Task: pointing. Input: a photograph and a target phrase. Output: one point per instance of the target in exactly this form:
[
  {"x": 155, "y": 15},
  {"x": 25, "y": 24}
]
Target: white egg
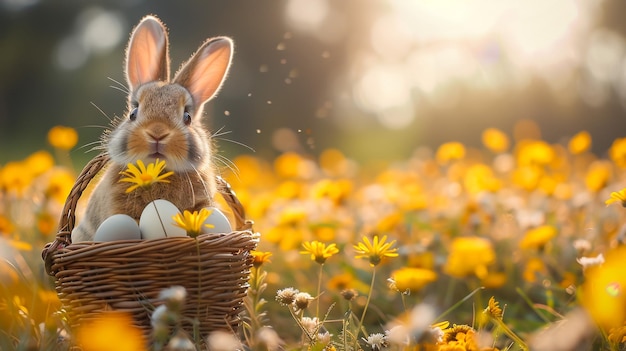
[
  {"x": 218, "y": 220},
  {"x": 118, "y": 227},
  {"x": 157, "y": 221}
]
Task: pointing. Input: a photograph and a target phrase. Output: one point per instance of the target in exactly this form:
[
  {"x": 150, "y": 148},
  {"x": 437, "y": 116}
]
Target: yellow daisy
[
  {"x": 319, "y": 251},
  {"x": 260, "y": 257},
  {"x": 411, "y": 278},
  {"x": 63, "y": 138},
  {"x": 495, "y": 140},
  {"x": 579, "y": 143},
  {"x": 143, "y": 176},
  {"x": 375, "y": 250},
  {"x": 192, "y": 221},
  {"x": 617, "y": 196},
  {"x": 111, "y": 331}
]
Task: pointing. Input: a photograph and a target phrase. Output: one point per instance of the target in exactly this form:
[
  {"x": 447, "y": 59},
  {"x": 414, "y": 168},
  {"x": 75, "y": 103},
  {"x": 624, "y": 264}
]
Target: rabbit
[{"x": 163, "y": 121}]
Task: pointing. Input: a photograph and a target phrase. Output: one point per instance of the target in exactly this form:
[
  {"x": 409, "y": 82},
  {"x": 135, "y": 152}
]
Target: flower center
[{"x": 146, "y": 178}]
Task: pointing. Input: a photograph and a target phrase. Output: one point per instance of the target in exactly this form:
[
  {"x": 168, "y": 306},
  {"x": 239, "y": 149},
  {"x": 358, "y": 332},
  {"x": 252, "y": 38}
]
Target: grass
[{"x": 506, "y": 247}]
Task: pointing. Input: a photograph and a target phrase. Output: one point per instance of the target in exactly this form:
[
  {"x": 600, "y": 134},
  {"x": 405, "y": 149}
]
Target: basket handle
[{"x": 68, "y": 215}]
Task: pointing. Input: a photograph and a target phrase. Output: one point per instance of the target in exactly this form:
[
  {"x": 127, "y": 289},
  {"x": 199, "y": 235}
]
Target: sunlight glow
[
  {"x": 96, "y": 31},
  {"x": 307, "y": 15},
  {"x": 439, "y": 47}
]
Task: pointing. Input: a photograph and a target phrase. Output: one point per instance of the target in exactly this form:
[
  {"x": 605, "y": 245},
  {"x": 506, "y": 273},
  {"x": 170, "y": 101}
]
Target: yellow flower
[
  {"x": 389, "y": 222},
  {"x": 346, "y": 281},
  {"x": 285, "y": 236},
  {"x": 319, "y": 251},
  {"x": 46, "y": 224},
  {"x": 598, "y": 175},
  {"x": 16, "y": 177},
  {"x": 469, "y": 255},
  {"x": 112, "y": 331},
  {"x": 6, "y": 226},
  {"x": 535, "y": 152},
  {"x": 495, "y": 140},
  {"x": 289, "y": 189},
  {"x": 458, "y": 338},
  {"x": 292, "y": 216},
  {"x": 579, "y": 143},
  {"x": 144, "y": 176},
  {"x": 20, "y": 245},
  {"x": 63, "y": 138},
  {"x": 335, "y": 190},
  {"x": 260, "y": 257},
  {"x": 494, "y": 280},
  {"x": 252, "y": 171},
  {"x": 333, "y": 162},
  {"x": 617, "y": 196},
  {"x": 537, "y": 237},
  {"x": 534, "y": 267},
  {"x": 60, "y": 184},
  {"x": 617, "y": 335},
  {"x": 602, "y": 293},
  {"x": 49, "y": 298},
  {"x": 413, "y": 198},
  {"x": 412, "y": 279},
  {"x": 289, "y": 165},
  {"x": 375, "y": 250},
  {"x": 192, "y": 221},
  {"x": 450, "y": 151},
  {"x": 617, "y": 152},
  {"x": 493, "y": 308},
  {"x": 39, "y": 162},
  {"x": 527, "y": 177},
  {"x": 479, "y": 178},
  {"x": 325, "y": 231}
]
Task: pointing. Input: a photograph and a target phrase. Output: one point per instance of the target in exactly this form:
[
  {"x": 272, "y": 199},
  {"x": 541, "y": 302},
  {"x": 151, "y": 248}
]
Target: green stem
[
  {"x": 64, "y": 158},
  {"x": 403, "y": 301},
  {"x": 255, "y": 299},
  {"x": 532, "y": 305},
  {"x": 319, "y": 289},
  {"x": 369, "y": 296},
  {"x": 440, "y": 317},
  {"x": 510, "y": 333},
  {"x": 304, "y": 330}
]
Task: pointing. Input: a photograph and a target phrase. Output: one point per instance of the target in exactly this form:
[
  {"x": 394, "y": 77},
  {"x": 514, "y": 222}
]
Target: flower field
[{"x": 514, "y": 245}]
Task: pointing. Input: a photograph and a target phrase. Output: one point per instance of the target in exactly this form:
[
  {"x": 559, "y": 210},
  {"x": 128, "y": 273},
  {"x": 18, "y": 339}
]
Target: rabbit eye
[
  {"x": 187, "y": 118},
  {"x": 133, "y": 114}
]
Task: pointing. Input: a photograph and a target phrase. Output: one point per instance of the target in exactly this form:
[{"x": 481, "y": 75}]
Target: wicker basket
[{"x": 128, "y": 275}]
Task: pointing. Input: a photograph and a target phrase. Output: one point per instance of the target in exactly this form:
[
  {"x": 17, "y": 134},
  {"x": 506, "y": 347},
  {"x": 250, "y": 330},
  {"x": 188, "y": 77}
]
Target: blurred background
[{"x": 375, "y": 79}]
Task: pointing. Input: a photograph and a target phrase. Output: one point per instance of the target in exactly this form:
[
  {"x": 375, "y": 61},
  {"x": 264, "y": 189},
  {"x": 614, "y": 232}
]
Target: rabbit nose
[
  {"x": 158, "y": 132},
  {"x": 158, "y": 136}
]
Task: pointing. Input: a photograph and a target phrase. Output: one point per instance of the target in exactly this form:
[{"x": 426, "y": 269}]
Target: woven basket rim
[{"x": 67, "y": 221}]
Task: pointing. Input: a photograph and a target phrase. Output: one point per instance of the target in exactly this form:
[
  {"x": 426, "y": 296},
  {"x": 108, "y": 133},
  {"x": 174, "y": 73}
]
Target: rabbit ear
[
  {"x": 147, "y": 57},
  {"x": 203, "y": 74}
]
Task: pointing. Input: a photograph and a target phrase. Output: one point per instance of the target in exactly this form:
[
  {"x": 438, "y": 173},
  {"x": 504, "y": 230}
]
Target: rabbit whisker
[
  {"x": 120, "y": 86},
  {"x": 228, "y": 164},
  {"x": 220, "y": 132},
  {"x": 96, "y": 148},
  {"x": 207, "y": 191},
  {"x": 193, "y": 193},
  {"x": 119, "y": 89},
  {"x": 97, "y": 144},
  {"x": 102, "y": 112},
  {"x": 94, "y": 126},
  {"x": 237, "y": 143}
]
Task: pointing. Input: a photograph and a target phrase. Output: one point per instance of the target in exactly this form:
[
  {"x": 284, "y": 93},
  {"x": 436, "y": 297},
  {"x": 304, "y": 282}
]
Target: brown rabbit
[{"x": 163, "y": 121}]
